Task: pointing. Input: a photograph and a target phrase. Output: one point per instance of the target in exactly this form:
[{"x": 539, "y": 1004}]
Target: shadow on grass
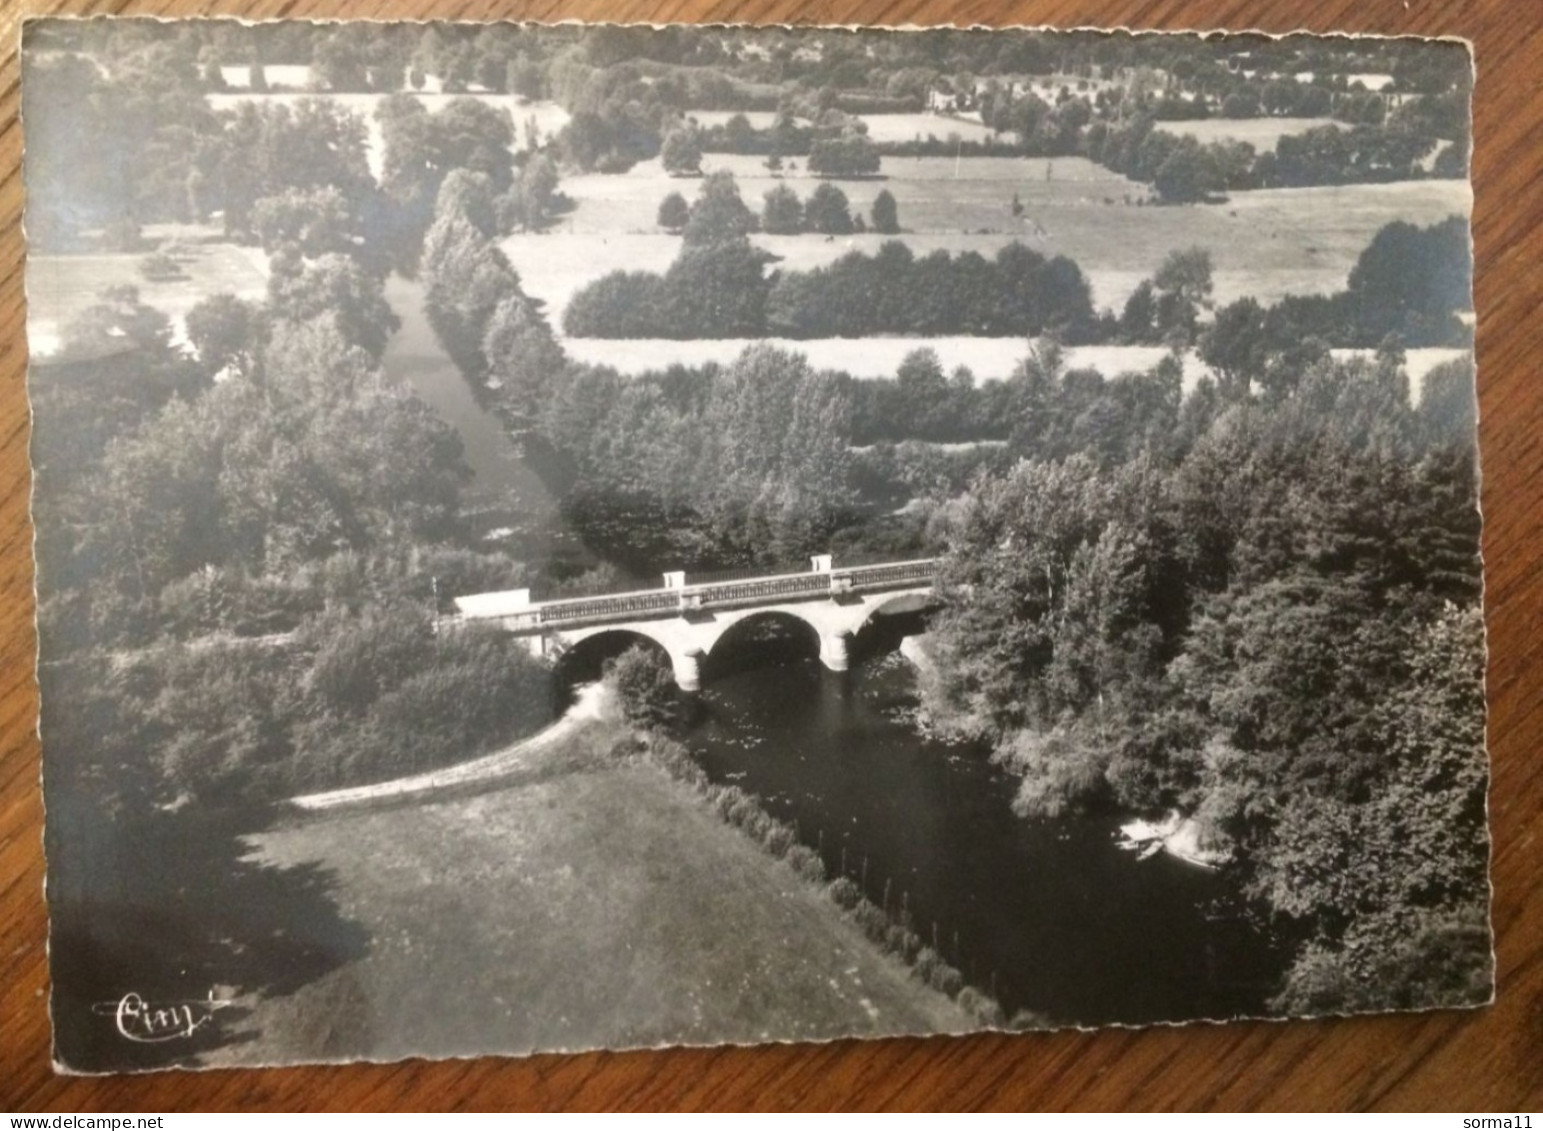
[{"x": 166, "y": 907}]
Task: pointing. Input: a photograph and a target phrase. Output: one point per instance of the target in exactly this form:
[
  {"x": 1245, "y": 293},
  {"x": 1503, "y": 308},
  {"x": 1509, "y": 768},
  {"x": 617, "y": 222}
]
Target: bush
[
  {"x": 623, "y": 304},
  {"x": 886, "y": 217},
  {"x": 754, "y": 821},
  {"x": 681, "y": 154},
  {"x": 679, "y": 764},
  {"x": 778, "y": 838},
  {"x": 807, "y": 863},
  {"x": 846, "y": 893},
  {"x": 874, "y": 923},
  {"x": 474, "y": 690},
  {"x": 727, "y": 798},
  {"x": 645, "y": 685},
  {"x": 782, "y": 214},
  {"x": 225, "y": 712},
  {"x": 160, "y": 267},
  {"x": 673, "y": 212},
  {"x": 981, "y": 1007},
  {"x": 903, "y": 941},
  {"x": 827, "y": 211},
  {"x": 945, "y": 979},
  {"x": 850, "y": 156},
  {"x": 925, "y": 964},
  {"x": 450, "y": 571},
  {"x": 360, "y": 658}
]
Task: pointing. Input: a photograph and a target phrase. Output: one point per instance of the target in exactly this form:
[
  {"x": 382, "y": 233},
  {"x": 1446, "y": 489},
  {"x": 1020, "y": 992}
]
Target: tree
[
  {"x": 1234, "y": 347},
  {"x": 336, "y": 61},
  {"x": 715, "y": 291},
  {"x": 314, "y": 222},
  {"x": 336, "y": 288},
  {"x": 719, "y": 215},
  {"x": 1138, "y": 319},
  {"x": 921, "y": 397},
  {"x": 421, "y": 150},
  {"x": 782, "y": 214},
  {"x": 886, "y": 218},
  {"x": 1187, "y": 174},
  {"x": 681, "y": 154},
  {"x": 851, "y": 155},
  {"x": 1448, "y": 405},
  {"x": 523, "y": 359},
  {"x": 227, "y": 332},
  {"x": 1412, "y": 282},
  {"x": 1182, "y": 286},
  {"x": 467, "y": 276},
  {"x": 622, "y": 304},
  {"x": 645, "y": 684},
  {"x": 674, "y": 213},
  {"x": 827, "y": 212},
  {"x": 537, "y": 188}
]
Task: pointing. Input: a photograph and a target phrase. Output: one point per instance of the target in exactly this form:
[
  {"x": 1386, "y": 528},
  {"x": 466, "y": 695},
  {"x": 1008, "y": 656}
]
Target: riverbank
[{"x": 589, "y": 902}]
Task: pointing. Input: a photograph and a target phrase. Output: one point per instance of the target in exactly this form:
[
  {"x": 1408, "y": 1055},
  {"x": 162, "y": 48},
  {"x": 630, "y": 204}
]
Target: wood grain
[{"x": 1490, "y": 1059}]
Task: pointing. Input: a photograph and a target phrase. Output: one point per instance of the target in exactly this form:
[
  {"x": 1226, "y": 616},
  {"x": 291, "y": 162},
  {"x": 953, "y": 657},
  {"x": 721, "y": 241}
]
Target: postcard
[{"x": 595, "y": 537}]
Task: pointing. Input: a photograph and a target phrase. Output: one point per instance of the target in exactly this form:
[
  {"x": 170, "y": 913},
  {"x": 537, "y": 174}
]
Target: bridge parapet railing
[
  {"x": 630, "y": 604},
  {"x": 863, "y": 577},
  {"x": 792, "y": 585}
]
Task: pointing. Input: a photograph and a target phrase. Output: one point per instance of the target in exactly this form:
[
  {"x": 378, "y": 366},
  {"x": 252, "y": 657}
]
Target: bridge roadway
[{"x": 686, "y": 619}]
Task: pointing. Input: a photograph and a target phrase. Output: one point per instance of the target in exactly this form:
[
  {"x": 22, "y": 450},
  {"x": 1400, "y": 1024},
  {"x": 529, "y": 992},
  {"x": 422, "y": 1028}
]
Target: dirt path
[{"x": 504, "y": 763}]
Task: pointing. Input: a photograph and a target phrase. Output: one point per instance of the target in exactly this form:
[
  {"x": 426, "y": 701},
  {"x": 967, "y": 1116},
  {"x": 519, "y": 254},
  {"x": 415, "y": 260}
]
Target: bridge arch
[
  {"x": 584, "y": 659},
  {"x": 889, "y": 620},
  {"x": 780, "y": 630}
]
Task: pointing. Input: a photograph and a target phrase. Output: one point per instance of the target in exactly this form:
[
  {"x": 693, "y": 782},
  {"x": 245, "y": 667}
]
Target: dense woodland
[{"x": 1257, "y": 602}]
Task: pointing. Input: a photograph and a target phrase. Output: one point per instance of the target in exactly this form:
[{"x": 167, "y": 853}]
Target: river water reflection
[{"x": 1059, "y": 920}]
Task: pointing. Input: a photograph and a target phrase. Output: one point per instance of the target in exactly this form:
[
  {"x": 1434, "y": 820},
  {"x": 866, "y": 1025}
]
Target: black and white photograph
[{"x": 572, "y": 537}]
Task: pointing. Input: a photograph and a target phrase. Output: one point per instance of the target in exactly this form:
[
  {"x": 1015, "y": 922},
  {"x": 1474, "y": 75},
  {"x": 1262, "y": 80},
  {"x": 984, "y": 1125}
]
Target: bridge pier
[
  {"x": 833, "y": 650},
  {"x": 688, "y": 668}
]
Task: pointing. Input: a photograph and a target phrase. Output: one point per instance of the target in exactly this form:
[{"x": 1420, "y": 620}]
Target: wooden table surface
[{"x": 1490, "y": 1059}]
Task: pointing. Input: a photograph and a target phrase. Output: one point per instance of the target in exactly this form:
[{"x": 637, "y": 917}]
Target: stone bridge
[{"x": 687, "y": 618}]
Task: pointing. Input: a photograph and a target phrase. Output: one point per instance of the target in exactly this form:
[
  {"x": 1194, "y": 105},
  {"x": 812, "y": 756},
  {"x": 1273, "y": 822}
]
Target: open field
[
  {"x": 585, "y": 903},
  {"x": 932, "y": 198},
  {"x": 1262, "y": 133},
  {"x": 759, "y": 119},
  {"x": 889, "y": 128},
  {"x": 1268, "y": 243},
  {"x": 881, "y": 127},
  {"x": 296, "y": 76},
  {"x": 60, "y": 286},
  {"x": 549, "y": 116}
]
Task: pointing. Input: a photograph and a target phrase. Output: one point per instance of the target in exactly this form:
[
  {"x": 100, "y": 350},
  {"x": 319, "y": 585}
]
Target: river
[
  {"x": 506, "y": 499},
  {"x": 1063, "y": 924}
]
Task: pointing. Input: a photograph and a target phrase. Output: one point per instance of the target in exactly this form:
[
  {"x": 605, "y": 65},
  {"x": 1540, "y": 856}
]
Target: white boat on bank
[{"x": 1175, "y": 834}]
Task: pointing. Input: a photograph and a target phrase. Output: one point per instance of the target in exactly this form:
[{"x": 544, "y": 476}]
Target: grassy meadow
[
  {"x": 1263, "y": 134},
  {"x": 59, "y": 287},
  {"x": 578, "y": 893},
  {"x": 1267, "y": 243}
]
